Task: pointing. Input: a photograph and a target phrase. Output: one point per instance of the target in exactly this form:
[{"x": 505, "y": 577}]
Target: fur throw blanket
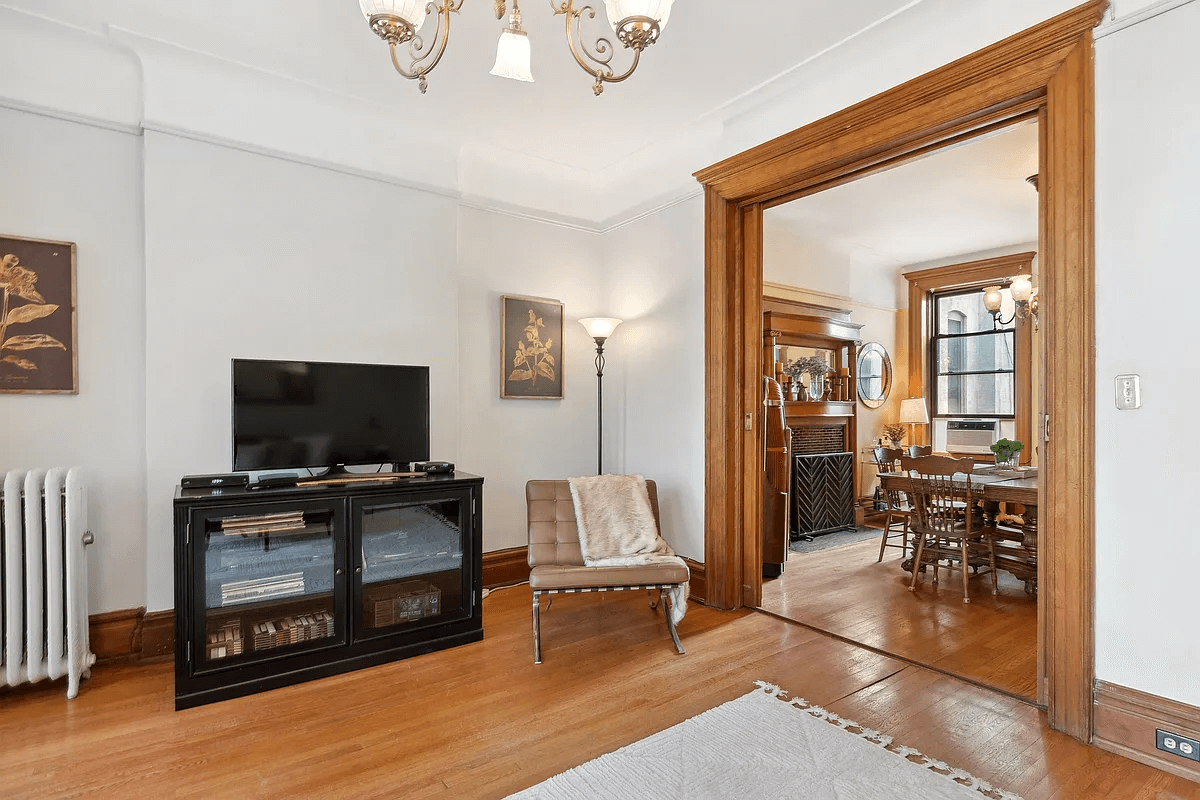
[{"x": 617, "y": 528}]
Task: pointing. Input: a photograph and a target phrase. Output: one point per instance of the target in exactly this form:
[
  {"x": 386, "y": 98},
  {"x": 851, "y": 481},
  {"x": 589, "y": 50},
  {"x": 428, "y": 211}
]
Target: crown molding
[
  {"x": 295, "y": 158},
  {"x": 620, "y": 222},
  {"x": 530, "y": 215},
  {"x": 772, "y": 286},
  {"x": 1149, "y": 12}
]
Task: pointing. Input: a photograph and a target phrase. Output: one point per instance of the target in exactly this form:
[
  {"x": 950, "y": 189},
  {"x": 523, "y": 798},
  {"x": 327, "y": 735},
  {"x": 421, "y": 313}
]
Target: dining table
[{"x": 1015, "y": 536}]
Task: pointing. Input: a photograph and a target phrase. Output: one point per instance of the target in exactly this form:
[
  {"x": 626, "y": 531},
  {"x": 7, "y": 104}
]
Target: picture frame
[
  {"x": 531, "y": 335},
  {"x": 37, "y": 298}
]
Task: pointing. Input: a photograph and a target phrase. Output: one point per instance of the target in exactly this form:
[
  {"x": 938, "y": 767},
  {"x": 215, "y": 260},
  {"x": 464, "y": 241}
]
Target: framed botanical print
[
  {"x": 37, "y": 318},
  {"x": 531, "y": 332}
]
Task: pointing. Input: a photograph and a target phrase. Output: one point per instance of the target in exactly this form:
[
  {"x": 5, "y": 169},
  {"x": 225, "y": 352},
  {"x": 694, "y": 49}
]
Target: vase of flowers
[
  {"x": 815, "y": 367},
  {"x": 894, "y": 433}
]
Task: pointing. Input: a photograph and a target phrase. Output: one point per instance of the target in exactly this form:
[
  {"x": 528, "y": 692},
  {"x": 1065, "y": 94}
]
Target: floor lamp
[{"x": 600, "y": 328}]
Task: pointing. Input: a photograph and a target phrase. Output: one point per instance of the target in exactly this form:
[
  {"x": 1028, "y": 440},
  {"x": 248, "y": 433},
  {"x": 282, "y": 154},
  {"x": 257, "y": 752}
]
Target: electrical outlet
[
  {"x": 1179, "y": 745},
  {"x": 1129, "y": 392}
]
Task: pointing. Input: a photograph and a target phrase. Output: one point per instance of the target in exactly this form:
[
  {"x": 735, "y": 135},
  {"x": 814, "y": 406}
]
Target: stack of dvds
[
  {"x": 291, "y": 630},
  {"x": 227, "y": 641}
]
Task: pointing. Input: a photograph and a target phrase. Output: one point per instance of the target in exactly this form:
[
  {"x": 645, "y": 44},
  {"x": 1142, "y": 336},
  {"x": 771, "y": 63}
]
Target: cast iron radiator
[{"x": 823, "y": 488}]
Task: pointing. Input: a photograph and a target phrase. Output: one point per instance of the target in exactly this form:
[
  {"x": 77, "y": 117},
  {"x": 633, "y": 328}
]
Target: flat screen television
[{"x": 296, "y": 414}]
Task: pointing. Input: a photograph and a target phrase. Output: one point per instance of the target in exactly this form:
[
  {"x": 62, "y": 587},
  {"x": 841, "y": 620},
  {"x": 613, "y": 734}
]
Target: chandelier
[{"x": 636, "y": 23}]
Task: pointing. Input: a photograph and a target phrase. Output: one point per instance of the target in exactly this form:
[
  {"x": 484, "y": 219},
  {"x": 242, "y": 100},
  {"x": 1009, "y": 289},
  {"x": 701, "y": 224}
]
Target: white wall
[
  {"x": 255, "y": 257},
  {"x": 655, "y": 277},
  {"x": 82, "y": 184},
  {"x": 1147, "y": 548},
  {"x": 511, "y": 441}
]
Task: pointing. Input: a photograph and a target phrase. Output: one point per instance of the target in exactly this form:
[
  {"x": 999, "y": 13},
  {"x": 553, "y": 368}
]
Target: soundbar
[{"x": 232, "y": 479}]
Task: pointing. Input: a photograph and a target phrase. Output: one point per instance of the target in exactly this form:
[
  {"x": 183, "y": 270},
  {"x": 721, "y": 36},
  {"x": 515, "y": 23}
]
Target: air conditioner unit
[{"x": 971, "y": 436}]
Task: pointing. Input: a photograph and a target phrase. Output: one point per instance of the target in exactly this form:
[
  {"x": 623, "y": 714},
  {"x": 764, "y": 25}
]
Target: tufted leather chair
[{"x": 556, "y": 561}]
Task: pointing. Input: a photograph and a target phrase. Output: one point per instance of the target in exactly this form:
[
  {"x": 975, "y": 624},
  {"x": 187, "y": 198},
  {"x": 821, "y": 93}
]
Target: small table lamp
[{"x": 913, "y": 412}]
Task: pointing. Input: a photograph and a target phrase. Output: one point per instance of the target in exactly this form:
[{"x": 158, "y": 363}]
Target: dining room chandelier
[{"x": 636, "y": 23}]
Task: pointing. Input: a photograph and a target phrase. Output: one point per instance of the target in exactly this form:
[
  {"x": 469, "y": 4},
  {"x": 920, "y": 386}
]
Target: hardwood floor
[
  {"x": 484, "y": 721},
  {"x": 991, "y": 640}
]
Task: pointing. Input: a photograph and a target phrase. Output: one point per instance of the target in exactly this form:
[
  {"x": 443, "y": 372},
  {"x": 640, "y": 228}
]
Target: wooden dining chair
[
  {"x": 918, "y": 450},
  {"x": 887, "y": 460},
  {"x": 945, "y": 521}
]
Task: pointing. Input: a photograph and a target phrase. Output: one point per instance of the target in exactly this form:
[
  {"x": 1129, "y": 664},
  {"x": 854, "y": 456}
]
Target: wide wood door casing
[{"x": 1046, "y": 70}]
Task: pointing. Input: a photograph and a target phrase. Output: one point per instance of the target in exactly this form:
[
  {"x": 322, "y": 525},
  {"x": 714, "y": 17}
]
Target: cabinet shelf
[{"x": 295, "y": 583}]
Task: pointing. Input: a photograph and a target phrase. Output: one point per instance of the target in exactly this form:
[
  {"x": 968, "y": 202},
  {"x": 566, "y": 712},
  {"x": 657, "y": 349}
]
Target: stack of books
[
  {"x": 270, "y": 588},
  {"x": 227, "y": 641},
  {"x": 294, "y": 629}
]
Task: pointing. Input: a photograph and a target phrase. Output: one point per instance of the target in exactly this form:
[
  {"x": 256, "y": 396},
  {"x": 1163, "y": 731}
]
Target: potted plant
[
  {"x": 816, "y": 367},
  {"x": 894, "y": 433},
  {"x": 1006, "y": 452}
]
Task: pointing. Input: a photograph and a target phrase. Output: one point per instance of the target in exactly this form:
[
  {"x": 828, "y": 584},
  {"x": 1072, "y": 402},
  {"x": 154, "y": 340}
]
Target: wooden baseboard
[
  {"x": 116, "y": 636},
  {"x": 158, "y": 636},
  {"x": 505, "y": 567},
  {"x": 131, "y": 635},
  {"x": 697, "y": 586},
  {"x": 1125, "y": 722}
]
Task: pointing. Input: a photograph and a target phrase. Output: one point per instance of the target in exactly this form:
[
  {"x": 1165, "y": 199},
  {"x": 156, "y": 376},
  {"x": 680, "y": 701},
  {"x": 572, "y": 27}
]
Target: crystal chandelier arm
[
  {"x": 424, "y": 62},
  {"x": 601, "y": 57}
]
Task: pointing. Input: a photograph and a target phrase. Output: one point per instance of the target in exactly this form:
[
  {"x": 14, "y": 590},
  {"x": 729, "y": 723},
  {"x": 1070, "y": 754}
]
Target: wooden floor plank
[{"x": 483, "y": 721}]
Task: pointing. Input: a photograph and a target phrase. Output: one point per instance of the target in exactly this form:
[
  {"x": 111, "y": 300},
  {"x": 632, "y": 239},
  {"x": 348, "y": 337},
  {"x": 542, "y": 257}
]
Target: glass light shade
[
  {"x": 600, "y": 327},
  {"x": 913, "y": 411},
  {"x": 411, "y": 11},
  {"x": 1021, "y": 288},
  {"x": 512, "y": 56},
  {"x": 657, "y": 10},
  {"x": 992, "y": 298}
]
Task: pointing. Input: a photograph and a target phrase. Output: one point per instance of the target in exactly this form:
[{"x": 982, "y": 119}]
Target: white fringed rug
[{"x": 763, "y": 745}]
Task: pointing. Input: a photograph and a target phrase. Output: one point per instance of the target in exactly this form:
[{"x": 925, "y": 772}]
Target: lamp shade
[
  {"x": 600, "y": 327},
  {"x": 913, "y": 411},
  {"x": 512, "y": 56},
  {"x": 1021, "y": 288},
  {"x": 411, "y": 11},
  {"x": 992, "y": 298},
  {"x": 657, "y": 10}
]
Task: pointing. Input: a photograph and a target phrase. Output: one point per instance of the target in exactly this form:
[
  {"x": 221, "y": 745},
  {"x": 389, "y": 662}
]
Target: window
[{"x": 974, "y": 374}]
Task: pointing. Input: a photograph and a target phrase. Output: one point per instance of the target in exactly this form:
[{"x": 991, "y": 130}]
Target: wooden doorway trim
[{"x": 1046, "y": 70}]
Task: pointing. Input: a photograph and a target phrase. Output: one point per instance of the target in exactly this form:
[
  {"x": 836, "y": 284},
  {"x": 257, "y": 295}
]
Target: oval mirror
[{"x": 874, "y": 375}]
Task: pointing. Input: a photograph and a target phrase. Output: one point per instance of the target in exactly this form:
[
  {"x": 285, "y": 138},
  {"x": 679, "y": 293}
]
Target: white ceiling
[
  {"x": 701, "y": 64},
  {"x": 967, "y": 199}
]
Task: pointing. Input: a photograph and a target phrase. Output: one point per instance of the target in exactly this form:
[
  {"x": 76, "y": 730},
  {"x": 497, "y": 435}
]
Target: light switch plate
[{"x": 1129, "y": 392}]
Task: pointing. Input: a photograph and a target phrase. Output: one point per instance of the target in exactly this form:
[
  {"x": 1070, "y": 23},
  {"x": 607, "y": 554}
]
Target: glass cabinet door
[
  {"x": 410, "y": 567},
  {"x": 271, "y": 579}
]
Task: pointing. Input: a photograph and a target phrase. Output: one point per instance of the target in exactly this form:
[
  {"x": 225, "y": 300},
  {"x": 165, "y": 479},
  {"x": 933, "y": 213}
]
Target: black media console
[{"x": 278, "y": 586}]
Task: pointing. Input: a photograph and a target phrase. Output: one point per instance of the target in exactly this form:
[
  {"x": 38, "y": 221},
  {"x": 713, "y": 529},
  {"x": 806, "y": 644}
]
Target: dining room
[{"x": 901, "y": 411}]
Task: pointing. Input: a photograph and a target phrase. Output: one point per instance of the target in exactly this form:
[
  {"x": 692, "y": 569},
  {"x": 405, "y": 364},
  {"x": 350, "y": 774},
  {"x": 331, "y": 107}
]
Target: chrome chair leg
[
  {"x": 666, "y": 602},
  {"x": 537, "y": 629}
]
